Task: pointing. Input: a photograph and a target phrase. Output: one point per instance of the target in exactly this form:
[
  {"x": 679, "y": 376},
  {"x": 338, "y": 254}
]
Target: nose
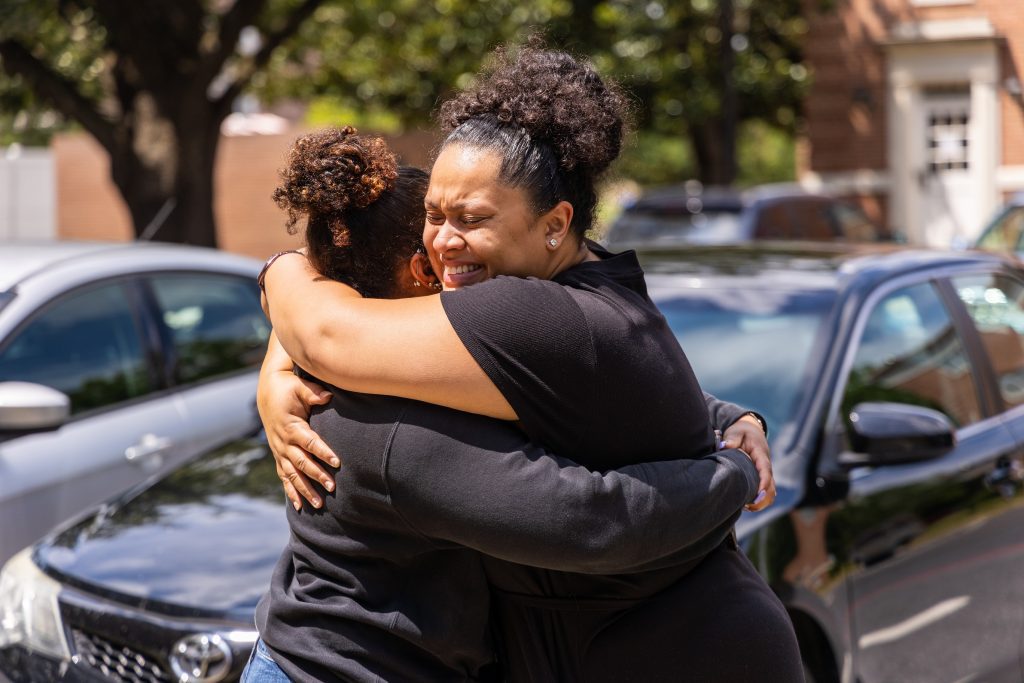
[{"x": 447, "y": 239}]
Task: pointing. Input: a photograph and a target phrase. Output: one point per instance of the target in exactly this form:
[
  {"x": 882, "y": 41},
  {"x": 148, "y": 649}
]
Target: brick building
[
  {"x": 89, "y": 206},
  {"x": 916, "y": 109}
]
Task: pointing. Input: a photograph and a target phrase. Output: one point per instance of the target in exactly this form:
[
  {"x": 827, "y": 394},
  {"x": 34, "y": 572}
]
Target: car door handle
[{"x": 149, "y": 446}]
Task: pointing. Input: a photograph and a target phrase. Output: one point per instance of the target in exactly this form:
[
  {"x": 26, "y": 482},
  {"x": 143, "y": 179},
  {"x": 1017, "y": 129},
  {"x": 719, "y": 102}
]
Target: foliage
[
  {"x": 388, "y": 63},
  {"x": 398, "y": 56}
]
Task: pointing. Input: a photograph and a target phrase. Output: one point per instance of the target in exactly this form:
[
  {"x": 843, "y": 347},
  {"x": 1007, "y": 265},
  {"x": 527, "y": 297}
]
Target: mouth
[{"x": 462, "y": 274}]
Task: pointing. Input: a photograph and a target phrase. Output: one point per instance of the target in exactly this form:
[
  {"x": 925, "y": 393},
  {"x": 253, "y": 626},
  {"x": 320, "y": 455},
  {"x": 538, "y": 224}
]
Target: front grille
[{"x": 118, "y": 662}]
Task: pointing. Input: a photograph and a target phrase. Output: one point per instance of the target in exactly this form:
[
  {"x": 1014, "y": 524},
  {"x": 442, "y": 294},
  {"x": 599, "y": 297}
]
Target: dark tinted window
[
  {"x": 87, "y": 345},
  {"x": 773, "y": 223},
  {"x": 809, "y": 219},
  {"x": 215, "y": 323},
  {"x": 910, "y": 353},
  {"x": 996, "y": 304}
]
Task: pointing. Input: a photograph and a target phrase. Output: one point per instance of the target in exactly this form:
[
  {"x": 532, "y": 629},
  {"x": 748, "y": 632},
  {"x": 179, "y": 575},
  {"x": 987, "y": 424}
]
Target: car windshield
[
  {"x": 652, "y": 227},
  {"x": 754, "y": 349}
]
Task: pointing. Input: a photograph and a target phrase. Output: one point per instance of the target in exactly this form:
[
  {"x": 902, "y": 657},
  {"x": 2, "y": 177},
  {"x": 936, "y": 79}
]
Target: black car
[
  {"x": 693, "y": 214},
  {"x": 893, "y": 384}
]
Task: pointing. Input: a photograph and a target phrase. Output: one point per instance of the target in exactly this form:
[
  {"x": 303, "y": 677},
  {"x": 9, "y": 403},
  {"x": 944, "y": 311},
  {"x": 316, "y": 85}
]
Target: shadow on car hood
[{"x": 202, "y": 540}]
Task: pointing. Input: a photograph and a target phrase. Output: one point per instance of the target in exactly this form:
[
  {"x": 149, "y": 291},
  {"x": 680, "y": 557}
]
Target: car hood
[{"x": 202, "y": 540}]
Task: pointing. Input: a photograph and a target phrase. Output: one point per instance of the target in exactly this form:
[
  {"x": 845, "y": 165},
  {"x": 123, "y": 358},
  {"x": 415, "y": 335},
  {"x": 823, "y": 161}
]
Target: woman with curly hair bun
[{"x": 539, "y": 325}]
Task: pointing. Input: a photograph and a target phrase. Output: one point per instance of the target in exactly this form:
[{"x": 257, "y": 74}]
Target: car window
[
  {"x": 773, "y": 223},
  {"x": 772, "y": 334},
  {"x": 909, "y": 352},
  {"x": 1006, "y": 233},
  {"x": 214, "y": 323},
  {"x": 996, "y": 305},
  {"x": 86, "y": 345},
  {"x": 809, "y": 219},
  {"x": 851, "y": 224}
]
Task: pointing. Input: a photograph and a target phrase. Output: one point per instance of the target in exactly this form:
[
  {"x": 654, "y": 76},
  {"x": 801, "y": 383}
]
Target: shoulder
[{"x": 511, "y": 308}]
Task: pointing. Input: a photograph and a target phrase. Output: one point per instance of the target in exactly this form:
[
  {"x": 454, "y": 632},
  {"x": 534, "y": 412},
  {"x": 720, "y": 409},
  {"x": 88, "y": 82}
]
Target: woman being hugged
[{"x": 560, "y": 335}]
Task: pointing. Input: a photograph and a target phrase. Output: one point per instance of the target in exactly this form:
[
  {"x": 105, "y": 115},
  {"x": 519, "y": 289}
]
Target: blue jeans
[{"x": 261, "y": 667}]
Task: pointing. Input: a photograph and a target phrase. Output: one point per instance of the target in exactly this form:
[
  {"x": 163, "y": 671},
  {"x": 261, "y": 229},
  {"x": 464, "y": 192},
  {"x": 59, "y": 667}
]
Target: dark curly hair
[
  {"x": 364, "y": 213},
  {"x": 555, "y": 122}
]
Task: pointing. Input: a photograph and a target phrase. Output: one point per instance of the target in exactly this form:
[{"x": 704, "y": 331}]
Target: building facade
[{"x": 916, "y": 110}]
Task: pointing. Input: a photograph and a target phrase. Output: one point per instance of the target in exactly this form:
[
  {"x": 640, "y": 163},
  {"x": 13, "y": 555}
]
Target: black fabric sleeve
[
  {"x": 723, "y": 414},
  {"x": 530, "y": 507},
  {"x": 533, "y": 341}
]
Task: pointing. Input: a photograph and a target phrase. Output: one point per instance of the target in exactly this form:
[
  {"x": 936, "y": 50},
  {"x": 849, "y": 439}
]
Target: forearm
[
  {"x": 396, "y": 347},
  {"x": 297, "y": 300},
  {"x": 536, "y": 509}
]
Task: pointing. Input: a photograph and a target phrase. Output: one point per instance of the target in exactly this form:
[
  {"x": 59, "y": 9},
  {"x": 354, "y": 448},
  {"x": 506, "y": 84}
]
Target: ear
[
  {"x": 556, "y": 223},
  {"x": 423, "y": 273}
]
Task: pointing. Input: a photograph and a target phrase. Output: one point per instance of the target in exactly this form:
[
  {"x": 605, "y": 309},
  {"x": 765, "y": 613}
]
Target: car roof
[
  {"x": 714, "y": 196},
  {"x": 798, "y": 265},
  {"x": 21, "y": 260}
]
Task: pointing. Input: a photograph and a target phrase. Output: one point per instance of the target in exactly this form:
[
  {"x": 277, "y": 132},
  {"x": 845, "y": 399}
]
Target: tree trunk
[
  {"x": 705, "y": 139},
  {"x": 165, "y": 174},
  {"x": 727, "y": 90}
]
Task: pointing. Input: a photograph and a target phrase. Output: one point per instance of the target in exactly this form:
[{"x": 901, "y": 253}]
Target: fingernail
[
  {"x": 325, "y": 394},
  {"x": 328, "y": 484},
  {"x": 315, "y": 502},
  {"x": 297, "y": 506},
  {"x": 760, "y": 497},
  {"x": 335, "y": 462}
]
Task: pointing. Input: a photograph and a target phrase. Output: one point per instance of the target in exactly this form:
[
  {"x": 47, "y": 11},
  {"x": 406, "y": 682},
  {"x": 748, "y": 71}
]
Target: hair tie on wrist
[{"x": 266, "y": 266}]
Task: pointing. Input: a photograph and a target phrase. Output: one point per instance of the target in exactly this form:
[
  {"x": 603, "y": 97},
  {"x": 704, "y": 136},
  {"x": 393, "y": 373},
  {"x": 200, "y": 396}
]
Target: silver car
[{"x": 117, "y": 362}]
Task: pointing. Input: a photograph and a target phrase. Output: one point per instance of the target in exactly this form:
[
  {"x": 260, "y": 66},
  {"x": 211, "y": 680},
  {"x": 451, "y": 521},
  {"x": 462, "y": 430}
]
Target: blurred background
[{"x": 168, "y": 120}]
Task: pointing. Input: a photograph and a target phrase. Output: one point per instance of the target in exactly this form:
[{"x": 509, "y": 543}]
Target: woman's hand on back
[
  {"x": 284, "y": 401},
  {"x": 747, "y": 435}
]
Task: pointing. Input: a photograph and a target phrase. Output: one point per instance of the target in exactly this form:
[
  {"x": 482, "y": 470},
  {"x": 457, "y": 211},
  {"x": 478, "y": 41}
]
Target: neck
[{"x": 571, "y": 256}]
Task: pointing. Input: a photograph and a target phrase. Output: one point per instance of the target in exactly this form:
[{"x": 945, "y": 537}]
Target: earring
[
  {"x": 436, "y": 285},
  {"x": 416, "y": 283},
  {"x": 553, "y": 242}
]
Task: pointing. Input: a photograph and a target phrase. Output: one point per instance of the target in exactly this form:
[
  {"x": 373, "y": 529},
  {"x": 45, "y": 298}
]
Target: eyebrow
[{"x": 458, "y": 206}]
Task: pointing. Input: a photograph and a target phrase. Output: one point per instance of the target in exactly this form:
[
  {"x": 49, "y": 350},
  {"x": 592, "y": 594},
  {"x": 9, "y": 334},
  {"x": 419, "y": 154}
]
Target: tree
[
  {"x": 699, "y": 69},
  {"x": 151, "y": 82}
]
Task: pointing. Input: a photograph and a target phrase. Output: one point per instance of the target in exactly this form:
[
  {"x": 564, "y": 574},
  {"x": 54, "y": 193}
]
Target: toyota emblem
[{"x": 201, "y": 658}]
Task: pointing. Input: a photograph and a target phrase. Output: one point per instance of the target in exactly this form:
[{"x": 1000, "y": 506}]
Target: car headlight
[{"x": 29, "y": 614}]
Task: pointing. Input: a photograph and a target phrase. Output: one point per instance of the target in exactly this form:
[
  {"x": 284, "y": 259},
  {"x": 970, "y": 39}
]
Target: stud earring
[
  {"x": 416, "y": 283},
  {"x": 553, "y": 242},
  {"x": 436, "y": 285}
]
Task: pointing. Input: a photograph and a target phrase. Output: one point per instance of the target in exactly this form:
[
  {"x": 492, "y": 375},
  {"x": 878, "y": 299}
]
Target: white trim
[
  {"x": 967, "y": 28},
  {"x": 913, "y": 67},
  {"x": 940, "y": 3},
  {"x": 1010, "y": 178},
  {"x": 863, "y": 181}
]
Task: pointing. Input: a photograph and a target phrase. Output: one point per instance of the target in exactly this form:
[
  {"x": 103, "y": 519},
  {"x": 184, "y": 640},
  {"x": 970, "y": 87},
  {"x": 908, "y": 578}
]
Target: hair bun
[
  {"x": 332, "y": 171},
  {"x": 555, "y": 97}
]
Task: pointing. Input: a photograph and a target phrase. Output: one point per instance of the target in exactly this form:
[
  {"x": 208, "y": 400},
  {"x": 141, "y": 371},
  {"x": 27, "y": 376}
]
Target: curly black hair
[
  {"x": 364, "y": 213},
  {"x": 556, "y": 123}
]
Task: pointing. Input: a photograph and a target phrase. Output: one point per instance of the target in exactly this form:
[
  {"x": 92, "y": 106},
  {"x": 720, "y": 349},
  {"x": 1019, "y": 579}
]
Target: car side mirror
[
  {"x": 896, "y": 433},
  {"x": 28, "y": 407}
]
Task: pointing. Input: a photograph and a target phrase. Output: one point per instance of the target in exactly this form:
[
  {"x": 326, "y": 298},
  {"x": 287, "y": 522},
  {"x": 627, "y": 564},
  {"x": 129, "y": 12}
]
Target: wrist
[{"x": 754, "y": 418}]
